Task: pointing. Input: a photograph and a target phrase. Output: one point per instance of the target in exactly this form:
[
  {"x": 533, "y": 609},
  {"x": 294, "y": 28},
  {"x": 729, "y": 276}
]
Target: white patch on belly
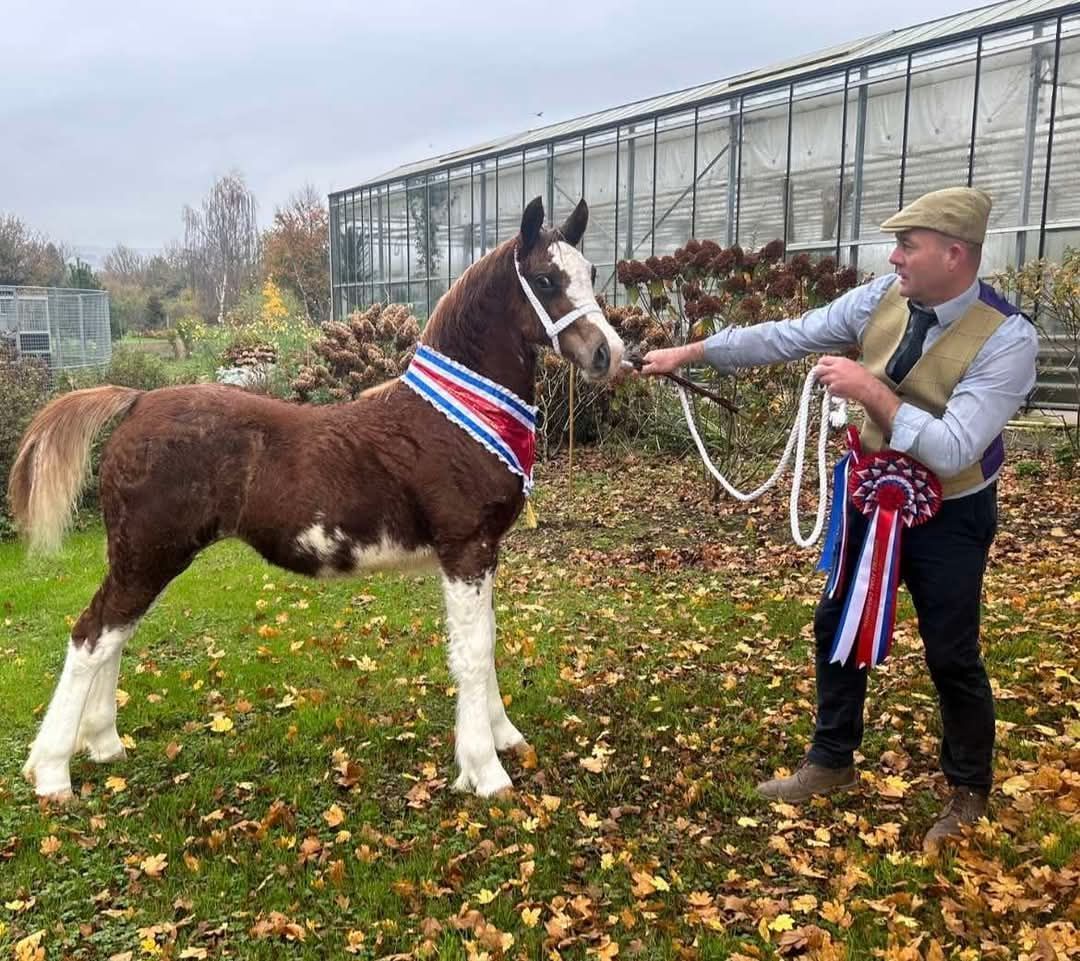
[
  {"x": 321, "y": 542},
  {"x": 386, "y": 554}
]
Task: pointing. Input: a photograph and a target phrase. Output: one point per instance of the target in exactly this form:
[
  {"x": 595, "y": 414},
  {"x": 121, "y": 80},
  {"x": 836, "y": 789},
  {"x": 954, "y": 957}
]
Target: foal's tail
[{"x": 54, "y": 458}]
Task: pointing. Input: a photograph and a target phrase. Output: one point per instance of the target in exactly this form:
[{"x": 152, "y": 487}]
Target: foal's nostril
[{"x": 601, "y": 359}]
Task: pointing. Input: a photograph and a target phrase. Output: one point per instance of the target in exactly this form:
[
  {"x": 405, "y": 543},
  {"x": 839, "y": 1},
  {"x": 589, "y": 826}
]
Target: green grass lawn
[{"x": 290, "y": 755}]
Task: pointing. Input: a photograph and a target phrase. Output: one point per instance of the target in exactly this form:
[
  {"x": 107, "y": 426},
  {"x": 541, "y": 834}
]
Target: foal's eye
[{"x": 544, "y": 282}]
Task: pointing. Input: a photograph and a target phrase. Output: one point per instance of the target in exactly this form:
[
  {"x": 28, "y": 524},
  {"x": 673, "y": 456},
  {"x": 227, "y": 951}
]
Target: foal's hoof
[
  {"x": 60, "y": 798},
  {"x": 488, "y": 781},
  {"x": 55, "y": 796},
  {"x": 51, "y": 784}
]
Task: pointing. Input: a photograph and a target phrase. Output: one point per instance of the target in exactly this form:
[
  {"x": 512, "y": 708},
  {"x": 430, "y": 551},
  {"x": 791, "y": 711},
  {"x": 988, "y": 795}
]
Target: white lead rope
[{"x": 796, "y": 441}]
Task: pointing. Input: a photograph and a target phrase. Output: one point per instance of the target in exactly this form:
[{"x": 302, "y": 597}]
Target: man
[{"x": 945, "y": 363}]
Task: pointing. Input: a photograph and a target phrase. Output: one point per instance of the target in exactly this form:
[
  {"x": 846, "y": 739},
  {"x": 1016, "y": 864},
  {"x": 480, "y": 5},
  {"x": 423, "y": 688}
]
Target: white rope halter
[
  {"x": 837, "y": 416},
  {"x": 553, "y": 327}
]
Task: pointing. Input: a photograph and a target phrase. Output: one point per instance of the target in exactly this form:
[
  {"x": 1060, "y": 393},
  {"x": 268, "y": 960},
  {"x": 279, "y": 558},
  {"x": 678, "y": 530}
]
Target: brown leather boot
[
  {"x": 965, "y": 806},
  {"x": 808, "y": 780}
]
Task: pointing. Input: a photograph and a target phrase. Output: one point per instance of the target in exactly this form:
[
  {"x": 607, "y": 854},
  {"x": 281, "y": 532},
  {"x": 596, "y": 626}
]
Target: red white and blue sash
[{"x": 491, "y": 414}]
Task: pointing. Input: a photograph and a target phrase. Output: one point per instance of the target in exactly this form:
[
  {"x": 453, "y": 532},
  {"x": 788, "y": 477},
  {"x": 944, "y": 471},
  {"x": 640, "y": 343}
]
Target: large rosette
[{"x": 895, "y": 491}]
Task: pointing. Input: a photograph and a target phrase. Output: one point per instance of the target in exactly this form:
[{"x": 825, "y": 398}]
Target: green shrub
[
  {"x": 24, "y": 386},
  {"x": 1066, "y": 457},
  {"x": 129, "y": 367}
]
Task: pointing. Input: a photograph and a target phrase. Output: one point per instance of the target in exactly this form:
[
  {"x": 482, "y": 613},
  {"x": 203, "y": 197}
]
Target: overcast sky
[{"x": 113, "y": 115}]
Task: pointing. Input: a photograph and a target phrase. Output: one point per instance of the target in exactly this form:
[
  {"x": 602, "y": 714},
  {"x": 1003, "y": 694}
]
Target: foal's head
[{"x": 556, "y": 304}]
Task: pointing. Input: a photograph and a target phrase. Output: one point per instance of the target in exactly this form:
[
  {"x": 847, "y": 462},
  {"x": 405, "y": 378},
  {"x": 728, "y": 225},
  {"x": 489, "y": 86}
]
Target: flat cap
[{"x": 960, "y": 212}]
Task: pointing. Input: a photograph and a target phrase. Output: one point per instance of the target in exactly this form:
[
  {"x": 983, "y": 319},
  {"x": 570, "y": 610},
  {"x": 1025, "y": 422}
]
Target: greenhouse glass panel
[
  {"x": 484, "y": 206},
  {"x": 817, "y": 134},
  {"x": 880, "y": 105},
  {"x": 567, "y": 179},
  {"x": 599, "y": 242},
  {"x": 363, "y": 247},
  {"x": 438, "y": 199},
  {"x": 939, "y": 126},
  {"x": 381, "y": 220},
  {"x": 1063, "y": 199},
  {"x": 436, "y": 289},
  {"x": 350, "y": 251},
  {"x": 337, "y": 232},
  {"x": 510, "y": 186},
  {"x": 636, "y": 191},
  {"x": 420, "y": 230},
  {"x": 763, "y": 170},
  {"x": 1012, "y": 124},
  {"x": 461, "y": 221},
  {"x": 417, "y": 299},
  {"x": 674, "y": 184},
  {"x": 352, "y": 248},
  {"x": 397, "y": 233},
  {"x": 717, "y": 174},
  {"x": 537, "y": 167}
]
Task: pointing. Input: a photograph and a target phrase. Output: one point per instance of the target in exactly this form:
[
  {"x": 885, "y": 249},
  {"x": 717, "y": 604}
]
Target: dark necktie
[{"x": 911, "y": 347}]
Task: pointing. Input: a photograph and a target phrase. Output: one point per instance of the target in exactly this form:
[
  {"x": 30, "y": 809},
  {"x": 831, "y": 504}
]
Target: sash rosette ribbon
[{"x": 895, "y": 491}]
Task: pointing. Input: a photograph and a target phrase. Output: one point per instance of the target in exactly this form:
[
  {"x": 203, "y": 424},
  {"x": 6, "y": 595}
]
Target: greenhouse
[{"x": 817, "y": 152}]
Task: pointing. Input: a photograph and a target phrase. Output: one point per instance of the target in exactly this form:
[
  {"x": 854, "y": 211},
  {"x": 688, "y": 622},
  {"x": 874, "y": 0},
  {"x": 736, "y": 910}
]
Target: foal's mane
[{"x": 480, "y": 295}]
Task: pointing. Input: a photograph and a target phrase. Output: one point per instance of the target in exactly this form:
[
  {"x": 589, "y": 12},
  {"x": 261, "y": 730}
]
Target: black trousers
[{"x": 942, "y": 565}]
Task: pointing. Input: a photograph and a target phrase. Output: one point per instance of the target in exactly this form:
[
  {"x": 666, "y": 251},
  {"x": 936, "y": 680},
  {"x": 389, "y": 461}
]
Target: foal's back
[
  {"x": 192, "y": 464},
  {"x": 381, "y": 482}
]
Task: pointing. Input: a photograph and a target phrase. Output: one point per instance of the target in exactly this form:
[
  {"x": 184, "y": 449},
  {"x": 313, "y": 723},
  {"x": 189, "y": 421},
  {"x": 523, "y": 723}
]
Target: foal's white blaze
[
  {"x": 581, "y": 294},
  {"x": 64, "y": 727},
  {"x": 470, "y": 623}
]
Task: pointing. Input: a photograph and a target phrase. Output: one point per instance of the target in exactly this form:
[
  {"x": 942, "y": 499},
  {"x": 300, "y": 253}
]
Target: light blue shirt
[{"x": 994, "y": 387}]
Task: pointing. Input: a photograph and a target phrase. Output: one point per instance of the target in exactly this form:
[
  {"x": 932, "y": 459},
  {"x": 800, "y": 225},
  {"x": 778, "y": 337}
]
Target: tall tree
[
  {"x": 221, "y": 245},
  {"x": 81, "y": 275},
  {"x": 296, "y": 251},
  {"x": 27, "y": 257},
  {"x": 134, "y": 280},
  {"x": 124, "y": 264}
]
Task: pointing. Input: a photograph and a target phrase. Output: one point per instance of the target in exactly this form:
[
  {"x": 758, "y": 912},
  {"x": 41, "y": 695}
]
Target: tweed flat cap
[{"x": 960, "y": 212}]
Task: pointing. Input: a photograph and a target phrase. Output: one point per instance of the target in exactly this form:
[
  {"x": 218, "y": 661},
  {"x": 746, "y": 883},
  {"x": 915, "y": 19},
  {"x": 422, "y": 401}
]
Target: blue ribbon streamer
[{"x": 830, "y": 554}]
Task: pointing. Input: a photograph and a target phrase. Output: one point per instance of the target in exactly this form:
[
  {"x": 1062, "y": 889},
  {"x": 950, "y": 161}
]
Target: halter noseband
[{"x": 553, "y": 327}]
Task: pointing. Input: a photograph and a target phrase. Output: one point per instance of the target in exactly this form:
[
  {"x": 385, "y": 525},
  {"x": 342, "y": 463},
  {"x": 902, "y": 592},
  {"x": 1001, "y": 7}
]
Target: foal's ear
[
  {"x": 531, "y": 223},
  {"x": 576, "y": 223}
]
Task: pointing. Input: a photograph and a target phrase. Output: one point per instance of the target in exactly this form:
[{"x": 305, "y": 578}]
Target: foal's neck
[{"x": 476, "y": 324}]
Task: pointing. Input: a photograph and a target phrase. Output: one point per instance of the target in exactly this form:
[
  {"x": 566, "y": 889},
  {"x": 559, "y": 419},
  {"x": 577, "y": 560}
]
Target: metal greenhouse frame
[{"x": 817, "y": 152}]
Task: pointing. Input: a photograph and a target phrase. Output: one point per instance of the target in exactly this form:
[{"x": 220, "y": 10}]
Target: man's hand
[
  {"x": 851, "y": 381},
  {"x": 844, "y": 378},
  {"x": 667, "y": 359}
]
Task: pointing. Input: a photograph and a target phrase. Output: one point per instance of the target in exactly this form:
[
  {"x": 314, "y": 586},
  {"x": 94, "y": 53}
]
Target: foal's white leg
[
  {"x": 506, "y": 736},
  {"x": 48, "y": 764},
  {"x": 97, "y": 728},
  {"x": 469, "y": 620}
]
